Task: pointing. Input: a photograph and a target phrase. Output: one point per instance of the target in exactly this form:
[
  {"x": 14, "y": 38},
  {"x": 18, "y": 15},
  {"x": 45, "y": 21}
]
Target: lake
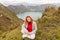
[{"x": 34, "y": 15}]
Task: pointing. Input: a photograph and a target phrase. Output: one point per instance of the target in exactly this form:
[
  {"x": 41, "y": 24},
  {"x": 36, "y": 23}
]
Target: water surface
[{"x": 34, "y": 15}]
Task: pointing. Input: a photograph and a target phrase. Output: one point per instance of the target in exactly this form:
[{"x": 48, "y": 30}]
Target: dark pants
[{"x": 30, "y": 39}]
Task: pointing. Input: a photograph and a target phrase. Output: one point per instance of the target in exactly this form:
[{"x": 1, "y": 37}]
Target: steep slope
[
  {"x": 49, "y": 24},
  {"x": 10, "y": 24},
  {"x": 8, "y": 19}
]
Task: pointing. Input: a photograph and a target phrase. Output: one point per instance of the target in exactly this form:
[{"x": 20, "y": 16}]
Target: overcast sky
[{"x": 9, "y": 2}]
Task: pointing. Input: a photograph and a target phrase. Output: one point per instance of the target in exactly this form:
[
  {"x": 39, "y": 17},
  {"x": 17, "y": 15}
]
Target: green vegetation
[
  {"x": 8, "y": 19},
  {"x": 9, "y": 24},
  {"x": 48, "y": 25}
]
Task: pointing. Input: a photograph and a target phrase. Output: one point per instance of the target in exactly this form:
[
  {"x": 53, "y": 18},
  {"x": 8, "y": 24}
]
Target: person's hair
[{"x": 25, "y": 21}]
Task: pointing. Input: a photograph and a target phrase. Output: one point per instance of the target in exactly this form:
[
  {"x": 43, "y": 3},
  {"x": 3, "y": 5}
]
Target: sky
[{"x": 12, "y": 2}]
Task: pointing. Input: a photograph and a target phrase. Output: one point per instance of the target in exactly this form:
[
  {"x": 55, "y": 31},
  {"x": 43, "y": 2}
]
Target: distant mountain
[{"x": 23, "y": 7}]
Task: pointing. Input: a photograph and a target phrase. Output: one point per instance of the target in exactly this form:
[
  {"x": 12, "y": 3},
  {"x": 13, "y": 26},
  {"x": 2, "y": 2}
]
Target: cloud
[{"x": 8, "y": 2}]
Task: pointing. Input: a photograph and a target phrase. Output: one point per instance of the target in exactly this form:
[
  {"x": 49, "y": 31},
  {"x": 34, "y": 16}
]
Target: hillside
[
  {"x": 49, "y": 24},
  {"x": 8, "y": 19}
]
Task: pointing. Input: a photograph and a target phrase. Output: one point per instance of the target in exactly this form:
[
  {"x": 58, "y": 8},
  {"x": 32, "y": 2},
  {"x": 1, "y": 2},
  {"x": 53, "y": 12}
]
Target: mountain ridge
[{"x": 23, "y": 8}]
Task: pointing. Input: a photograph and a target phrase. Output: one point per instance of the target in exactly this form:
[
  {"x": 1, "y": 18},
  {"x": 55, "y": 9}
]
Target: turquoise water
[{"x": 34, "y": 15}]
